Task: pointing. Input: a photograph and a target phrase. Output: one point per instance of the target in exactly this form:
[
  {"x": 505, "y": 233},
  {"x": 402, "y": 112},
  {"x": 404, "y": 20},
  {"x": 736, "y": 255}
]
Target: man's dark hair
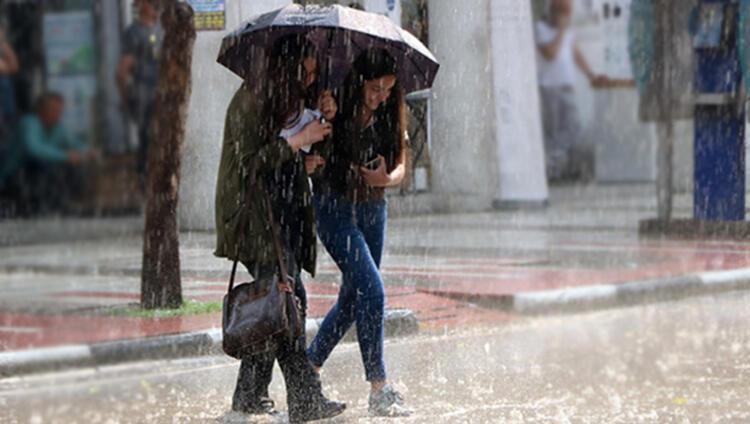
[
  {"x": 284, "y": 88},
  {"x": 42, "y": 100},
  {"x": 156, "y": 4}
]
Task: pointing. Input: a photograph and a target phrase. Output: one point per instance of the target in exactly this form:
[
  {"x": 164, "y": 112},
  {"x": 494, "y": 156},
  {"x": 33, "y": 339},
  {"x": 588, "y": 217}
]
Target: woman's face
[
  {"x": 376, "y": 91},
  {"x": 309, "y": 71}
]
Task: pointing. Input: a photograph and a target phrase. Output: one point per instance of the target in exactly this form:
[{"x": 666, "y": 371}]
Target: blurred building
[
  {"x": 72, "y": 47},
  {"x": 624, "y": 146}
]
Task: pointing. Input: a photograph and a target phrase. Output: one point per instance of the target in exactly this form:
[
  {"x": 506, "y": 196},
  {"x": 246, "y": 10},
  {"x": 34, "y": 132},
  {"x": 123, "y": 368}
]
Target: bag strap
[
  {"x": 283, "y": 271},
  {"x": 231, "y": 277}
]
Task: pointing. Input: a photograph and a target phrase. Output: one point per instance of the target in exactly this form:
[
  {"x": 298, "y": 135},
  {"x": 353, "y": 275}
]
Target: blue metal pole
[{"x": 719, "y": 150}]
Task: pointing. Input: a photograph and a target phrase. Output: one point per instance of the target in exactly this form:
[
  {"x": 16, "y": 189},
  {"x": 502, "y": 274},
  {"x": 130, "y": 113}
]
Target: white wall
[
  {"x": 520, "y": 146},
  {"x": 463, "y": 150},
  {"x": 213, "y": 87}
]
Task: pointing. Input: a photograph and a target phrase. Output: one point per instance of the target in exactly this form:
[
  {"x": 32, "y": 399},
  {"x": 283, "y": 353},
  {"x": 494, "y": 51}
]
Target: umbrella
[{"x": 340, "y": 34}]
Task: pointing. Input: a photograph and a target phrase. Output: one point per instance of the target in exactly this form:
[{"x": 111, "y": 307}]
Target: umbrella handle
[{"x": 325, "y": 75}]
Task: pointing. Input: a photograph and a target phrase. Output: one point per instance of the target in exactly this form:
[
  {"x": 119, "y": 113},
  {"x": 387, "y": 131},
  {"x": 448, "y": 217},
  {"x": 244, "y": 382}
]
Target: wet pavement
[
  {"x": 52, "y": 290},
  {"x": 683, "y": 361}
]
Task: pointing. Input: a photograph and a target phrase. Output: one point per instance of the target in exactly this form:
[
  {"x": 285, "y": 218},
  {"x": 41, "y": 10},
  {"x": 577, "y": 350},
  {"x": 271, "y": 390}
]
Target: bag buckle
[{"x": 284, "y": 286}]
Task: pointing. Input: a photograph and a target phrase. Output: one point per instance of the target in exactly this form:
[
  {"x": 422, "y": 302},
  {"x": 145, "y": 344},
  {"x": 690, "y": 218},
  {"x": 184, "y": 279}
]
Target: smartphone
[{"x": 373, "y": 164}]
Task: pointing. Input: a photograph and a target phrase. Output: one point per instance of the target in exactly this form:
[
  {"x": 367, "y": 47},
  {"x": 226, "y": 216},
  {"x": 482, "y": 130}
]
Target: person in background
[
  {"x": 8, "y": 67},
  {"x": 559, "y": 59},
  {"x": 138, "y": 73},
  {"x": 52, "y": 162}
]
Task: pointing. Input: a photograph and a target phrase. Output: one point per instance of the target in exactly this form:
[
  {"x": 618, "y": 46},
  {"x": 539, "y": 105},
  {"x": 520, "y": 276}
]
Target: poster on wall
[
  {"x": 69, "y": 43},
  {"x": 209, "y": 14},
  {"x": 69, "y": 51},
  {"x": 615, "y": 18}
]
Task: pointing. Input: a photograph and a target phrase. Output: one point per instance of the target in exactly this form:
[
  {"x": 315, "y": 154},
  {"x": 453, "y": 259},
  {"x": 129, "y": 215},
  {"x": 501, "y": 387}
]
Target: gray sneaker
[{"x": 388, "y": 403}]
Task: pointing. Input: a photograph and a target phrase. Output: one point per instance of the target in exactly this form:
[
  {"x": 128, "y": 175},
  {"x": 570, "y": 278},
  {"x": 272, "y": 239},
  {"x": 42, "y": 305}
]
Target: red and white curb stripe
[
  {"x": 398, "y": 322},
  {"x": 576, "y": 298}
]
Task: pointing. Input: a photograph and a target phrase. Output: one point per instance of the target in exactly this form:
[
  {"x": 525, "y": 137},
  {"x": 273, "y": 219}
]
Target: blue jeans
[{"x": 353, "y": 234}]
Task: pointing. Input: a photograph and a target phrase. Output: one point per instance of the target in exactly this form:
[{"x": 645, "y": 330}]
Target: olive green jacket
[{"x": 241, "y": 207}]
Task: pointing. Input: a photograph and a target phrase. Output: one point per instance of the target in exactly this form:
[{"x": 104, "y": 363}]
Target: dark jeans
[
  {"x": 353, "y": 234},
  {"x": 303, "y": 386},
  {"x": 144, "y": 141},
  {"x": 48, "y": 187}
]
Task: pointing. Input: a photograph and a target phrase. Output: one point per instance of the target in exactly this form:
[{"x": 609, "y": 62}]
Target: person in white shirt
[{"x": 559, "y": 60}]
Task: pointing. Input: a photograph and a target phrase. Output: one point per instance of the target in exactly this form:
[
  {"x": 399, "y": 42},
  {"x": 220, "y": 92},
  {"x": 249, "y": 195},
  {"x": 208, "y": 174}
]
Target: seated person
[{"x": 43, "y": 159}]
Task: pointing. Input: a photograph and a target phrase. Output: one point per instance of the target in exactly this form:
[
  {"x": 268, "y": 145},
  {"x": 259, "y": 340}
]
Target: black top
[
  {"x": 288, "y": 208},
  {"x": 345, "y": 153}
]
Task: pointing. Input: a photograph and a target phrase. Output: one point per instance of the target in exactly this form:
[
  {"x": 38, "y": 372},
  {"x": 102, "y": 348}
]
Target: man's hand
[
  {"x": 123, "y": 75},
  {"x": 312, "y": 162},
  {"x": 75, "y": 157},
  {"x": 93, "y": 154},
  {"x": 313, "y": 132},
  {"x": 78, "y": 157},
  {"x": 599, "y": 81},
  {"x": 327, "y": 105}
]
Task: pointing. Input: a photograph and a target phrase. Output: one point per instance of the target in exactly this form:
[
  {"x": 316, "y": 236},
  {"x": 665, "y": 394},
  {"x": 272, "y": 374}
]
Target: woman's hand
[
  {"x": 378, "y": 177},
  {"x": 327, "y": 105},
  {"x": 312, "y": 162},
  {"x": 313, "y": 132}
]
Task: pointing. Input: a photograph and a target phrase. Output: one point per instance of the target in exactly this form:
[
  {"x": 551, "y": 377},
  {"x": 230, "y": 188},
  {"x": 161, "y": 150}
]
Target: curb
[
  {"x": 656, "y": 290},
  {"x": 577, "y": 299},
  {"x": 398, "y": 323}
]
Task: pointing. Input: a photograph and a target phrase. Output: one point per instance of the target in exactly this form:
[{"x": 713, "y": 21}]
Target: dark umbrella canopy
[{"x": 340, "y": 34}]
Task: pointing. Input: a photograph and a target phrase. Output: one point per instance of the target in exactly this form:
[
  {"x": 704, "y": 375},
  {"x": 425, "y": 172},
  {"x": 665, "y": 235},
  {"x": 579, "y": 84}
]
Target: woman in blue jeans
[{"x": 366, "y": 155}]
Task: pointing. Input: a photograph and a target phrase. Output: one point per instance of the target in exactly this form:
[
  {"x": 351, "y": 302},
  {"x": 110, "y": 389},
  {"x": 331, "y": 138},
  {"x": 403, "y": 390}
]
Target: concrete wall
[
  {"x": 213, "y": 87},
  {"x": 520, "y": 146},
  {"x": 463, "y": 151}
]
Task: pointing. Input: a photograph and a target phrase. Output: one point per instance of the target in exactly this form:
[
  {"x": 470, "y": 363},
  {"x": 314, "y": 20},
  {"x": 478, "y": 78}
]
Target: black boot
[
  {"x": 308, "y": 402},
  {"x": 304, "y": 392},
  {"x": 251, "y": 393},
  {"x": 263, "y": 406},
  {"x": 321, "y": 409}
]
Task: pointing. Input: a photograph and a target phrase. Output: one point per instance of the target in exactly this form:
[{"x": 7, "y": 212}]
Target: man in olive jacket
[
  {"x": 247, "y": 156},
  {"x": 258, "y": 169}
]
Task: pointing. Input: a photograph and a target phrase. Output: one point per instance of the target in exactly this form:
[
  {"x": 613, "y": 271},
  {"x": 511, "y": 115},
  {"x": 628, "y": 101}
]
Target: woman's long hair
[
  {"x": 284, "y": 91},
  {"x": 369, "y": 65}
]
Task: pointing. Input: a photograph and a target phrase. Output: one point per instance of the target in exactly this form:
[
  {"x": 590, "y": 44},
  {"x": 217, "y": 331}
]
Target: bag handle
[{"x": 284, "y": 274}]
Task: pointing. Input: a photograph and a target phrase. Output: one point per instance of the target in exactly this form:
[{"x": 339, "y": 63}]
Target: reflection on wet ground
[{"x": 684, "y": 361}]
